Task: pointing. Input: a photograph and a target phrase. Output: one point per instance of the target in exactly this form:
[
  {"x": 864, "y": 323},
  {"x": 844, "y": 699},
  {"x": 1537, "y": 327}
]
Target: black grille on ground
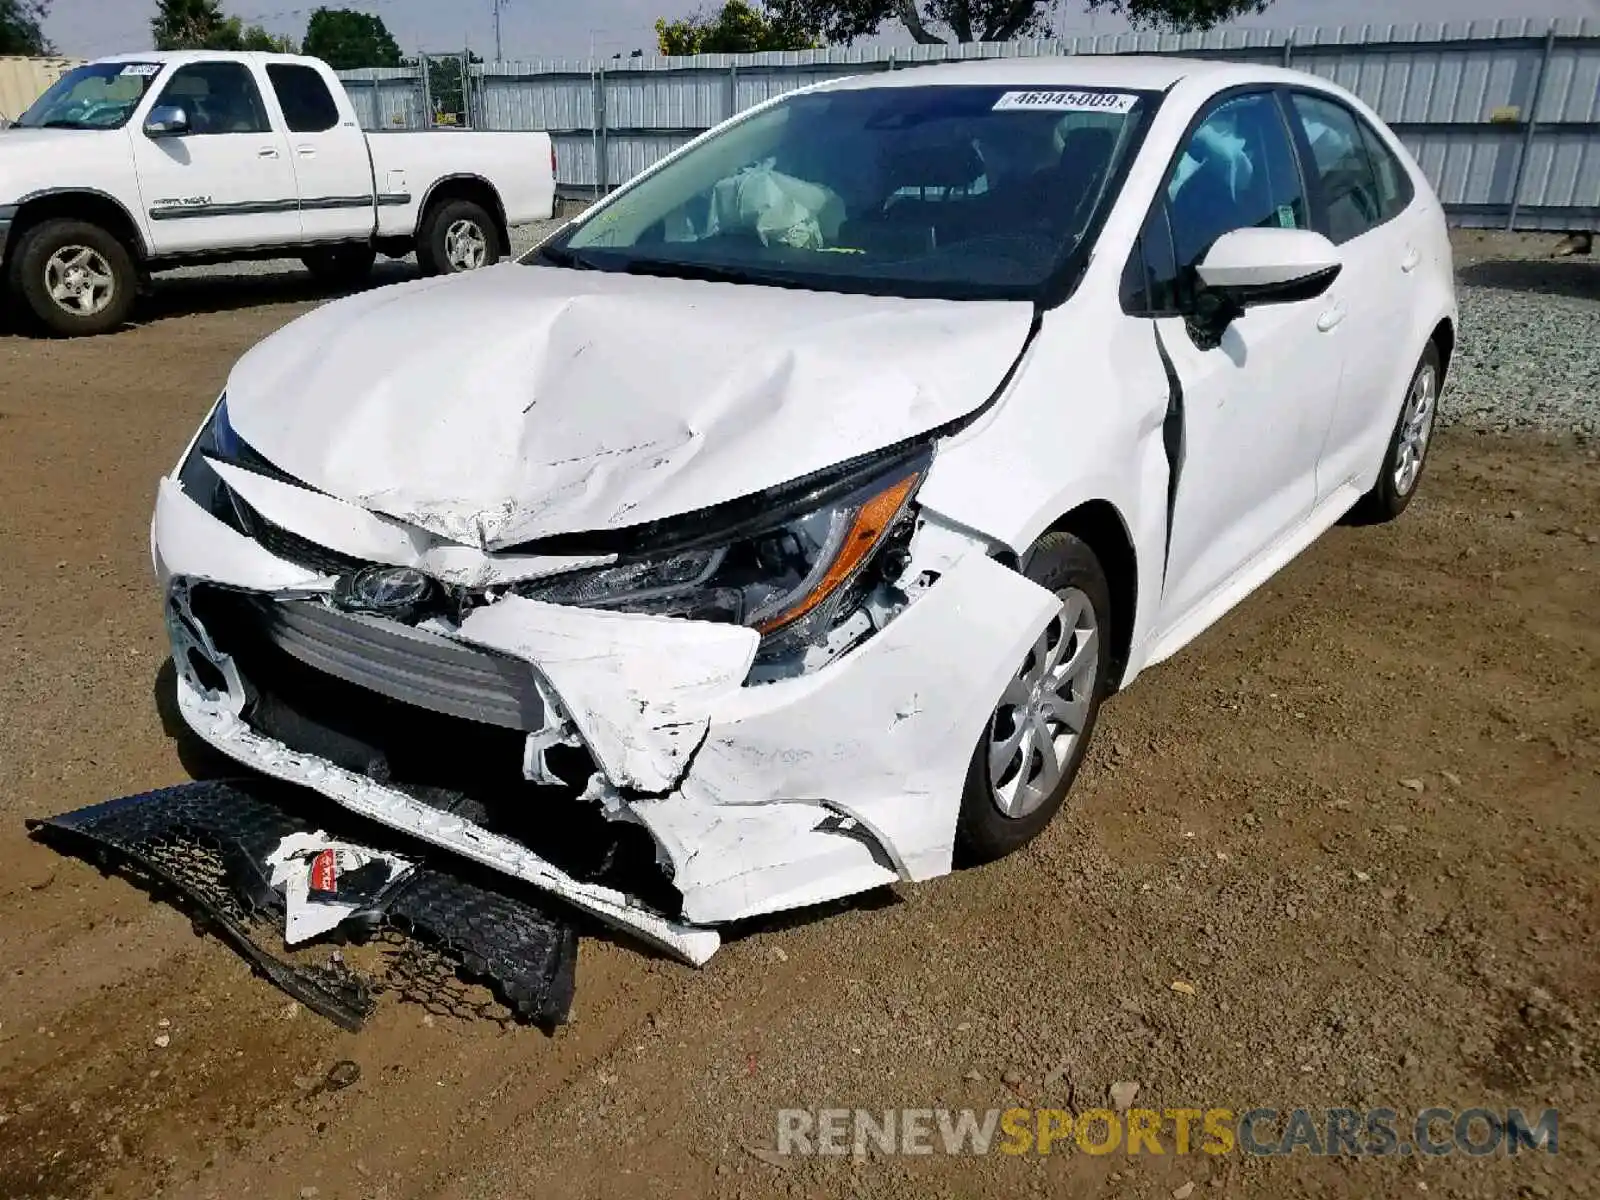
[{"x": 207, "y": 841}]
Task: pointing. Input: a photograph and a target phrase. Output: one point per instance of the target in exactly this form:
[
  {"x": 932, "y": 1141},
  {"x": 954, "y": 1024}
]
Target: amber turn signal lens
[{"x": 871, "y": 523}]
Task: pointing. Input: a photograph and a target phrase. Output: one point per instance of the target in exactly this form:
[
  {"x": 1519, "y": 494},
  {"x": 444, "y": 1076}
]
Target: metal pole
[
  {"x": 1529, "y": 126},
  {"x": 427, "y": 90},
  {"x": 498, "y": 57},
  {"x": 594, "y": 118},
  {"x": 602, "y": 170},
  {"x": 1288, "y": 51}
]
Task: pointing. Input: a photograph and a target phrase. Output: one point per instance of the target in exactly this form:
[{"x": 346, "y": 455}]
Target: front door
[
  {"x": 225, "y": 184},
  {"x": 1257, "y": 403}
]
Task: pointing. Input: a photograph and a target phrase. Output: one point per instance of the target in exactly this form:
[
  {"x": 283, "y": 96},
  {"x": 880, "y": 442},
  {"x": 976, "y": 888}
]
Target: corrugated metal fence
[
  {"x": 24, "y": 80},
  {"x": 1504, "y": 116}
]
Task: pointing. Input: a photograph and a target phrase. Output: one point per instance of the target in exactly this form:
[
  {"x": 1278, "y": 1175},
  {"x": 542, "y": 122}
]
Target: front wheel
[
  {"x": 458, "y": 236},
  {"x": 1407, "y": 451},
  {"x": 77, "y": 278},
  {"x": 1036, "y": 737}
]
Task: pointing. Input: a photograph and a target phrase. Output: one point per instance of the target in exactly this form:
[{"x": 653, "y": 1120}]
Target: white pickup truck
[{"x": 141, "y": 162}]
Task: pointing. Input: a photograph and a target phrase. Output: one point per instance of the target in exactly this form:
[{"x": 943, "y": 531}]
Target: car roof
[
  {"x": 185, "y": 56},
  {"x": 1138, "y": 72},
  {"x": 1135, "y": 72}
]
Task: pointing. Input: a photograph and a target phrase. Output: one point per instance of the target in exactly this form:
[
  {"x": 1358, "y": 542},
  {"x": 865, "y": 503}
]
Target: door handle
[
  {"x": 1409, "y": 263},
  {"x": 306, "y": 151},
  {"x": 1331, "y": 318},
  {"x": 269, "y": 152}
]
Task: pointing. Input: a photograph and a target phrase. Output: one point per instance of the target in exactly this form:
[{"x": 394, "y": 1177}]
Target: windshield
[
  {"x": 96, "y": 96},
  {"x": 962, "y": 192}
]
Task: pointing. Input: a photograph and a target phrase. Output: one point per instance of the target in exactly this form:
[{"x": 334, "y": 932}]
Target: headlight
[
  {"x": 790, "y": 577},
  {"x": 200, "y": 483}
]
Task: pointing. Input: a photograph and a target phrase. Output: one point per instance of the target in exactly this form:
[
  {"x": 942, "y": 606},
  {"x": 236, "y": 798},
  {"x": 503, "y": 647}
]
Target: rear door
[
  {"x": 1362, "y": 195},
  {"x": 1254, "y": 404},
  {"x": 225, "y": 184},
  {"x": 332, "y": 170}
]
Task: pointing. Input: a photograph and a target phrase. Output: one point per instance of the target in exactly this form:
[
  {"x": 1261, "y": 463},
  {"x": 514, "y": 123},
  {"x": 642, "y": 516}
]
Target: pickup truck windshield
[
  {"x": 96, "y": 96},
  {"x": 954, "y": 191}
]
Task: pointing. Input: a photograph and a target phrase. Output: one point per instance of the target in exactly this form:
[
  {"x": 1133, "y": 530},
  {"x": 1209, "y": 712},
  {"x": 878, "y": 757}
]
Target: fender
[
  {"x": 499, "y": 212},
  {"x": 140, "y": 248}
]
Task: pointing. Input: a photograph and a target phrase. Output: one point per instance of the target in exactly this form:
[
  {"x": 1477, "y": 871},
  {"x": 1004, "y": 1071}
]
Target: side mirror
[
  {"x": 1269, "y": 266},
  {"x": 166, "y": 120}
]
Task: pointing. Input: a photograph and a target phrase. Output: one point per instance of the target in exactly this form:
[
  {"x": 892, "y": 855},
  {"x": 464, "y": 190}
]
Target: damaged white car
[{"x": 793, "y": 511}]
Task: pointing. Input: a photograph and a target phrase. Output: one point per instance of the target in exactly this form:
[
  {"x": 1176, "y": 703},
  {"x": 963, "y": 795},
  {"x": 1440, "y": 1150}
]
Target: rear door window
[
  {"x": 1395, "y": 192},
  {"x": 308, "y": 106},
  {"x": 1350, "y": 186}
]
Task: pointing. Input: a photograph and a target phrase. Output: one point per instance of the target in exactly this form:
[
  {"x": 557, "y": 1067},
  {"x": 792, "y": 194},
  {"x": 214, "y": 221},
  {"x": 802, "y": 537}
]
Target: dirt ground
[{"x": 1361, "y": 818}]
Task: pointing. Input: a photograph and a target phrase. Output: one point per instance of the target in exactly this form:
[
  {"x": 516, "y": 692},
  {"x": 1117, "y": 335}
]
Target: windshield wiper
[
  {"x": 707, "y": 272},
  {"x": 59, "y": 124},
  {"x": 560, "y": 256}
]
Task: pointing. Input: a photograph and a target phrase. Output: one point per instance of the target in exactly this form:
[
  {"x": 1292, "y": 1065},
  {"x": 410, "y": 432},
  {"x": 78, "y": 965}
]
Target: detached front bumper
[{"x": 758, "y": 798}]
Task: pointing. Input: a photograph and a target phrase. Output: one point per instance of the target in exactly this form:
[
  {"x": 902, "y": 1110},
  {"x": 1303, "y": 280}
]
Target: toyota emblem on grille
[{"x": 388, "y": 591}]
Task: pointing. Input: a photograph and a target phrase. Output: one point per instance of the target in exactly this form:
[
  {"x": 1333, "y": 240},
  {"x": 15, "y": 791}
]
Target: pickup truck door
[
  {"x": 227, "y": 182},
  {"x": 332, "y": 167}
]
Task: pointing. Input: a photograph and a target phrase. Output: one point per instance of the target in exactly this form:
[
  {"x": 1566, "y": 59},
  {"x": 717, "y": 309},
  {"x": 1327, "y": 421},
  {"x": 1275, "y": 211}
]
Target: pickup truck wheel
[
  {"x": 457, "y": 236},
  {"x": 77, "y": 278},
  {"x": 1035, "y": 740},
  {"x": 340, "y": 266}
]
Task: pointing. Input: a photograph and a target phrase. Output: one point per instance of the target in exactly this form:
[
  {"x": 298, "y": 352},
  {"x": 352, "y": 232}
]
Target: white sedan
[{"x": 794, "y": 510}]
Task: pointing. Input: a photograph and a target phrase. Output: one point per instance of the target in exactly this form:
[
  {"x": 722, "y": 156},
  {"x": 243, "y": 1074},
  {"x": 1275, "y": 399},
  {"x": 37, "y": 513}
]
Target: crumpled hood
[{"x": 504, "y": 405}]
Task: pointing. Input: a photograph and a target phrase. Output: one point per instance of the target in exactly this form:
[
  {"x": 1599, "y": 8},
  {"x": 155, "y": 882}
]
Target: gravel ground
[{"x": 1517, "y": 307}]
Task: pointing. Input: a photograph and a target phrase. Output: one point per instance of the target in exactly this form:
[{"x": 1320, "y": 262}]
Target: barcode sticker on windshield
[
  {"x": 1106, "y": 102},
  {"x": 145, "y": 69}
]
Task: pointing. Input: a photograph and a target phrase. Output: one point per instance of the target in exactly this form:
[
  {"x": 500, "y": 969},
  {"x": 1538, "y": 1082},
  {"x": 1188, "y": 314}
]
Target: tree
[
  {"x": 255, "y": 37},
  {"x": 346, "y": 40},
  {"x": 187, "y": 24},
  {"x": 21, "y": 29},
  {"x": 928, "y": 21},
  {"x": 738, "y": 28},
  {"x": 200, "y": 25}
]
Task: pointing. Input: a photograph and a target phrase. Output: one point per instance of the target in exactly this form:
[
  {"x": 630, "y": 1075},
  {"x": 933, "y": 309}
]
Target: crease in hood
[{"x": 505, "y": 405}]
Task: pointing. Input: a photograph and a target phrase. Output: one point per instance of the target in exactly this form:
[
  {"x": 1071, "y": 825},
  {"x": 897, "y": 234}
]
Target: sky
[{"x": 568, "y": 28}]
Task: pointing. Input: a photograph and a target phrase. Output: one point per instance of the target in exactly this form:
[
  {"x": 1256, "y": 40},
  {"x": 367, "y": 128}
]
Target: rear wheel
[
  {"x": 76, "y": 278},
  {"x": 1036, "y": 737},
  {"x": 1408, "y": 444},
  {"x": 457, "y": 236},
  {"x": 340, "y": 266}
]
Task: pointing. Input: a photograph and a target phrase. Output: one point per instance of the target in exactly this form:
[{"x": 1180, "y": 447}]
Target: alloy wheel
[{"x": 1041, "y": 716}]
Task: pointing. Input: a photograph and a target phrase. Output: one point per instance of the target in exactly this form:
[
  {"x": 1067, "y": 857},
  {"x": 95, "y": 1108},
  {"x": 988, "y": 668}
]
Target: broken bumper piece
[
  {"x": 229, "y": 734},
  {"x": 213, "y": 842}
]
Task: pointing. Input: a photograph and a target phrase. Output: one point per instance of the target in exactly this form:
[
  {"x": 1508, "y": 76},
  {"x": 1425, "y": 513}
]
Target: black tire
[
  {"x": 1057, "y": 561},
  {"x": 433, "y": 253},
  {"x": 1388, "y": 498},
  {"x": 340, "y": 266},
  {"x": 35, "y": 262}
]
